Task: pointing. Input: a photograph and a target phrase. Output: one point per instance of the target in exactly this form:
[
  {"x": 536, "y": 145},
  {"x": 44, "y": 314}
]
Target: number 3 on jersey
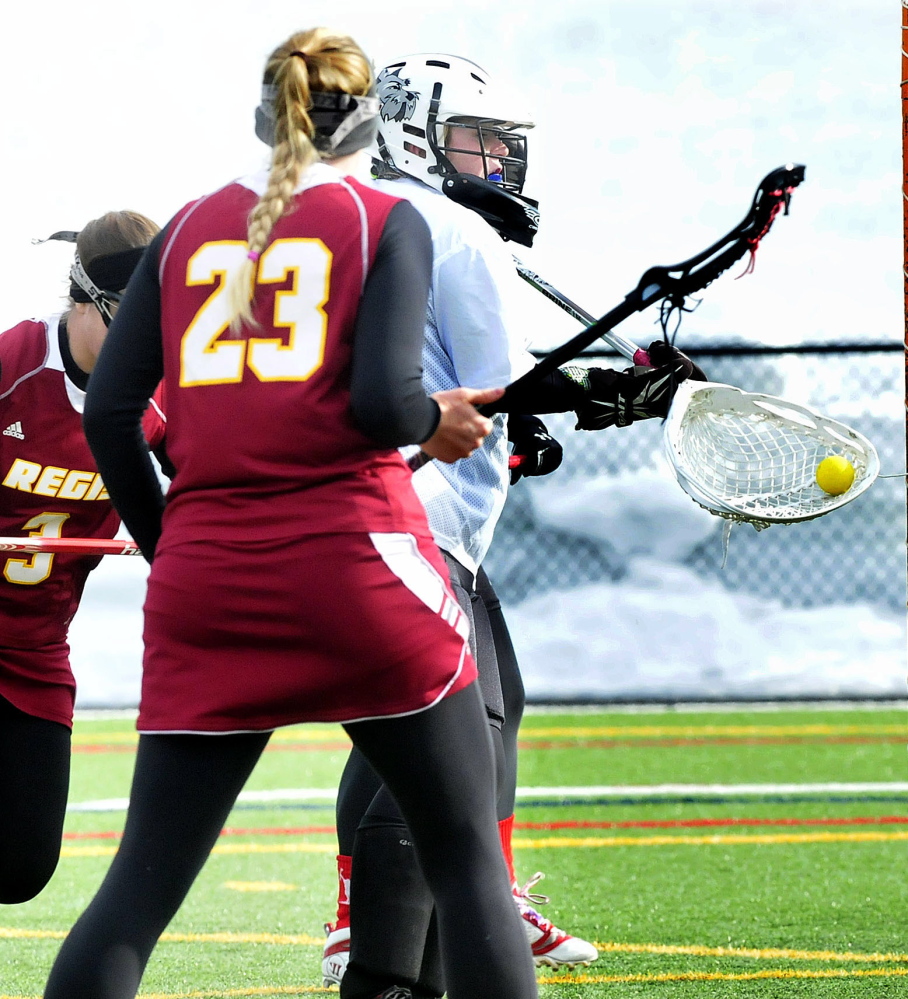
[
  {"x": 34, "y": 570},
  {"x": 206, "y": 360}
]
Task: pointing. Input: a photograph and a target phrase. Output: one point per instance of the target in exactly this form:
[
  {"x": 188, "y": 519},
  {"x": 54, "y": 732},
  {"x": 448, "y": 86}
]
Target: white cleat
[
  {"x": 336, "y": 954},
  {"x": 550, "y": 945}
]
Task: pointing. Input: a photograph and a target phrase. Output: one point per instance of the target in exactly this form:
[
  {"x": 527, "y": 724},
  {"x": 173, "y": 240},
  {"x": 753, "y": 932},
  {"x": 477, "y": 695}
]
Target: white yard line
[
  {"x": 713, "y": 707},
  {"x": 279, "y": 794},
  {"x": 601, "y": 791}
]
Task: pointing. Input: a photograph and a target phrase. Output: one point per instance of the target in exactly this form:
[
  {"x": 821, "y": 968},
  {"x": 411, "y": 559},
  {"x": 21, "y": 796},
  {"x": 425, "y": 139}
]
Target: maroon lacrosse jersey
[
  {"x": 295, "y": 578},
  {"x": 49, "y": 487}
]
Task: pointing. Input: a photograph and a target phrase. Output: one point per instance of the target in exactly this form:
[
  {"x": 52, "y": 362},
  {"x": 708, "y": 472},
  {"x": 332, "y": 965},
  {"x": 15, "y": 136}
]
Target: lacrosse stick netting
[{"x": 752, "y": 458}]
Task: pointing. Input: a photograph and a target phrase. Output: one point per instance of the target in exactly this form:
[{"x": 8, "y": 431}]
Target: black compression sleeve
[
  {"x": 387, "y": 396},
  {"x": 129, "y": 369}
]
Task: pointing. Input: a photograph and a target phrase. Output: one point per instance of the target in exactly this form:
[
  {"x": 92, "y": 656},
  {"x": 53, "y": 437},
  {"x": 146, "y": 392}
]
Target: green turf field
[{"x": 716, "y": 888}]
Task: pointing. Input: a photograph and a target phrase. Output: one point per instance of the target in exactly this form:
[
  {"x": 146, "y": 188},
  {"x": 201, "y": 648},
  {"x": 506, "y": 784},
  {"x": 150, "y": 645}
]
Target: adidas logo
[{"x": 14, "y": 430}]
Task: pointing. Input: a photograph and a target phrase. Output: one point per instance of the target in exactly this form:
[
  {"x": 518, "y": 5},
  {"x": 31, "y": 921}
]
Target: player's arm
[
  {"x": 129, "y": 369},
  {"x": 480, "y": 325},
  {"x": 473, "y": 316},
  {"x": 387, "y": 396},
  {"x": 389, "y": 403}
]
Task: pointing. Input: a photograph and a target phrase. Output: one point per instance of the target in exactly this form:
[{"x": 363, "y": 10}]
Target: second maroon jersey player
[{"x": 49, "y": 487}]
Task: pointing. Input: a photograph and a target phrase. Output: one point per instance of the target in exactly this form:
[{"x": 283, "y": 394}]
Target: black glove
[
  {"x": 661, "y": 353},
  {"x": 618, "y": 398},
  {"x": 540, "y": 452}
]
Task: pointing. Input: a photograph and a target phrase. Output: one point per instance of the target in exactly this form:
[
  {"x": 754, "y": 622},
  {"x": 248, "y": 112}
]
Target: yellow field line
[
  {"x": 573, "y": 979},
  {"x": 607, "y": 947},
  {"x": 278, "y": 939},
  {"x": 221, "y": 848},
  {"x": 129, "y": 737},
  {"x": 319, "y": 735},
  {"x": 712, "y": 976},
  {"x": 757, "y": 953},
  {"x": 260, "y": 886},
  {"x": 563, "y": 842},
  {"x": 295, "y": 847}
]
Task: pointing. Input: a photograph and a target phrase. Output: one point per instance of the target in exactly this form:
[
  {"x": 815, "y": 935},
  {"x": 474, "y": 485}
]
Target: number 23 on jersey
[{"x": 207, "y": 360}]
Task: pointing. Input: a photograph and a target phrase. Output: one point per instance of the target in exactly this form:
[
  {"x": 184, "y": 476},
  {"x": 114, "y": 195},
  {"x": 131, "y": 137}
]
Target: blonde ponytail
[{"x": 318, "y": 60}]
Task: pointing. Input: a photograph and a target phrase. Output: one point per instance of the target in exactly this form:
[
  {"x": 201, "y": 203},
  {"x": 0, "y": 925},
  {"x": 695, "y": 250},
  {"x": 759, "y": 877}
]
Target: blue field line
[{"x": 750, "y": 799}]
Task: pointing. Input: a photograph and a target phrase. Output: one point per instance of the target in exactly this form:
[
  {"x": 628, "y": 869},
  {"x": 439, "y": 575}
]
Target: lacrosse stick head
[{"x": 752, "y": 458}]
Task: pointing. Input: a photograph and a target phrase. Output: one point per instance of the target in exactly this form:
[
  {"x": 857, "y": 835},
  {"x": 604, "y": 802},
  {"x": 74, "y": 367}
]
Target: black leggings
[
  {"x": 494, "y": 653},
  {"x": 512, "y": 690},
  {"x": 34, "y": 783},
  {"x": 184, "y": 787},
  {"x": 392, "y": 939}
]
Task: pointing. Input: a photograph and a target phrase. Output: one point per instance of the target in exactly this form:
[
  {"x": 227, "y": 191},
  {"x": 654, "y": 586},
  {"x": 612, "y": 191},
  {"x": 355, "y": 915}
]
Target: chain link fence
[{"x": 855, "y": 556}]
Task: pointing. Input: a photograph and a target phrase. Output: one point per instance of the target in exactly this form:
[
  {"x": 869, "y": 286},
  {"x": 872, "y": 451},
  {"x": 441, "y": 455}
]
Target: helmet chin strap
[
  {"x": 512, "y": 216},
  {"x": 442, "y": 164}
]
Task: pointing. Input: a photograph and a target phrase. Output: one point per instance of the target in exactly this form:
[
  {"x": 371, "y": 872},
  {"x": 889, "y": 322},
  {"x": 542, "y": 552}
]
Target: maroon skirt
[
  {"x": 328, "y": 628},
  {"x": 39, "y": 681}
]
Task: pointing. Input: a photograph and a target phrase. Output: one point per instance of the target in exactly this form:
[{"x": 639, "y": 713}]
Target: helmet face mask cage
[
  {"x": 428, "y": 104},
  {"x": 487, "y": 134}
]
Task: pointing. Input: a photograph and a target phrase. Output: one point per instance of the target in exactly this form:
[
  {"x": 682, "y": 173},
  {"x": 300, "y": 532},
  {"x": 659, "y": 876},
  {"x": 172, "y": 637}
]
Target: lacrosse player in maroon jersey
[
  {"x": 50, "y": 487},
  {"x": 293, "y": 577}
]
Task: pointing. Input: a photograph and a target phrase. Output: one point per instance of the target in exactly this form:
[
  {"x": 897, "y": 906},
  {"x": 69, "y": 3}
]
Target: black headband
[
  {"x": 343, "y": 122},
  {"x": 110, "y": 272}
]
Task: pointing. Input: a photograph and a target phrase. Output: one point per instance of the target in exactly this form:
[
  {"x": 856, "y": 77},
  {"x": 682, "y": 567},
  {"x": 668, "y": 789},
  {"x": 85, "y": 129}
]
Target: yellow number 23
[{"x": 206, "y": 360}]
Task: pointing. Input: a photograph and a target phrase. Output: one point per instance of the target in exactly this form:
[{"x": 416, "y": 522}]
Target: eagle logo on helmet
[{"x": 397, "y": 103}]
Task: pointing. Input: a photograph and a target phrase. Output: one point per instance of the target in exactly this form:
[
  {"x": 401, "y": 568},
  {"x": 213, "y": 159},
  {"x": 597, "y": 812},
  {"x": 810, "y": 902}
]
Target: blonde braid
[
  {"x": 317, "y": 59},
  {"x": 293, "y": 152}
]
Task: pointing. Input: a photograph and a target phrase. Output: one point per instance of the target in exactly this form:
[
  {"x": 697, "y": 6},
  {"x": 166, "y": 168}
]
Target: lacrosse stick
[
  {"x": 672, "y": 284},
  {"x": 70, "y": 546},
  {"x": 744, "y": 456}
]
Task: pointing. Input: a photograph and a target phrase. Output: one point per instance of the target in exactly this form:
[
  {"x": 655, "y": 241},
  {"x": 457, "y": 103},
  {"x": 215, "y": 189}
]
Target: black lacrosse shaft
[
  {"x": 677, "y": 281},
  {"x": 567, "y": 351}
]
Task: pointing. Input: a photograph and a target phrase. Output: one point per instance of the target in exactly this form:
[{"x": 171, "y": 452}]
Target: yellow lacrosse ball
[{"x": 835, "y": 475}]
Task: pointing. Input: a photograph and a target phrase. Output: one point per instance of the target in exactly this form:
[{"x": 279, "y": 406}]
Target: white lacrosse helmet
[{"x": 428, "y": 103}]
